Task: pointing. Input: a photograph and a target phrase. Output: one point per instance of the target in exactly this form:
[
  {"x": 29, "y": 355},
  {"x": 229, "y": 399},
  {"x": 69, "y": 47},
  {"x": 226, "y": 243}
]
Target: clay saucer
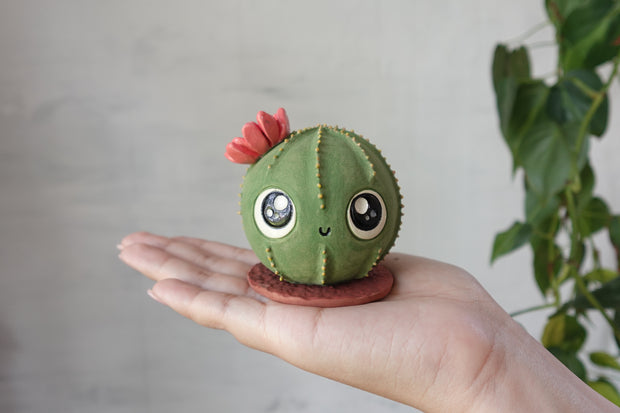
[{"x": 375, "y": 286}]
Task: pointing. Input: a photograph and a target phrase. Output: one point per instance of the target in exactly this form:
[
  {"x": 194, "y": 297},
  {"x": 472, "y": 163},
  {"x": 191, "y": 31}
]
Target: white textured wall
[{"x": 113, "y": 118}]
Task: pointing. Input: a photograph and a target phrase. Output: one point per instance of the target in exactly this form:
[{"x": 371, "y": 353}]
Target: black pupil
[
  {"x": 277, "y": 209},
  {"x": 365, "y": 212}
]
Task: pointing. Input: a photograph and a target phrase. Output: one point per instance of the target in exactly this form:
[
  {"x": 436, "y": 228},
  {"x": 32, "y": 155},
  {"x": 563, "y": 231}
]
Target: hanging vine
[{"x": 548, "y": 127}]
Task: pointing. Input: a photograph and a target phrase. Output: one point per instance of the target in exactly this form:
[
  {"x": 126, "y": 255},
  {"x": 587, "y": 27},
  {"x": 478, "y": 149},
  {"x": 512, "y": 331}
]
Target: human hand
[{"x": 438, "y": 342}]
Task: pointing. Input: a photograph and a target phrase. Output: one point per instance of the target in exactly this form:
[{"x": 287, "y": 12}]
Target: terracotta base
[{"x": 376, "y": 286}]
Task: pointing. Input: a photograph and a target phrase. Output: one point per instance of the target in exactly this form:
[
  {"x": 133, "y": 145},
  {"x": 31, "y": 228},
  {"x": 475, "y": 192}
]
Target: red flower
[{"x": 258, "y": 137}]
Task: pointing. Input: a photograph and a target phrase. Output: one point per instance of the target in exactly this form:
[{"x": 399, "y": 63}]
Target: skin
[{"x": 438, "y": 342}]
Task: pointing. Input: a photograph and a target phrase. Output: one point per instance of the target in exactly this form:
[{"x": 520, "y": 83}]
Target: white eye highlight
[
  {"x": 366, "y": 214},
  {"x": 361, "y": 205},
  {"x": 281, "y": 202},
  {"x": 274, "y": 213}
]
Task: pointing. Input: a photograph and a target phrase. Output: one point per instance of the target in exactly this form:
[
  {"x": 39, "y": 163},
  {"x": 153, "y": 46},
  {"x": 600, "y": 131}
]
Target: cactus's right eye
[
  {"x": 274, "y": 213},
  {"x": 366, "y": 214}
]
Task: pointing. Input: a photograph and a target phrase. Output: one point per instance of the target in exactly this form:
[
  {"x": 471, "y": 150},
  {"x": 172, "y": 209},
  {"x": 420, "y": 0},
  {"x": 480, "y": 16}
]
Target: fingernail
[
  {"x": 155, "y": 297},
  {"x": 120, "y": 246}
]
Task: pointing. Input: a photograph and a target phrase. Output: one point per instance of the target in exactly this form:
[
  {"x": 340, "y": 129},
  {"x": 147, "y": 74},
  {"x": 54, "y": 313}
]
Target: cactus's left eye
[
  {"x": 366, "y": 214},
  {"x": 274, "y": 213}
]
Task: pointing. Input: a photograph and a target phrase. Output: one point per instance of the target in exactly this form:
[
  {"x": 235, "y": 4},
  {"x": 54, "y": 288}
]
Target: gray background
[{"x": 113, "y": 118}]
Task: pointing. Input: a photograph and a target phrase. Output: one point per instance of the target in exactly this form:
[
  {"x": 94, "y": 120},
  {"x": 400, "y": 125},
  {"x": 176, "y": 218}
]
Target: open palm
[{"x": 437, "y": 327}]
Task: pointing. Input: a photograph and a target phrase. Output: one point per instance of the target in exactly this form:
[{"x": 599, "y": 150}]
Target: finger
[
  {"x": 222, "y": 250},
  {"x": 240, "y": 315},
  {"x": 210, "y": 259},
  {"x": 144, "y": 237},
  {"x": 157, "y": 264},
  {"x": 207, "y": 260}
]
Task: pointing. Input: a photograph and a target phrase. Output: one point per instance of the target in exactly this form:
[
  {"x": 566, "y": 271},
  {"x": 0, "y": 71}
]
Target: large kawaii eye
[
  {"x": 274, "y": 213},
  {"x": 366, "y": 214}
]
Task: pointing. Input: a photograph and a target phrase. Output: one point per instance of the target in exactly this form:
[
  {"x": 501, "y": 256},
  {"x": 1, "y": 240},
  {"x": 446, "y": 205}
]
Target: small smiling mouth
[{"x": 323, "y": 232}]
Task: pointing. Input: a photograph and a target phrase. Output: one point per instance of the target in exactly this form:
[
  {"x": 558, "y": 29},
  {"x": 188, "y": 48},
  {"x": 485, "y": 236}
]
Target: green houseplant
[{"x": 548, "y": 124}]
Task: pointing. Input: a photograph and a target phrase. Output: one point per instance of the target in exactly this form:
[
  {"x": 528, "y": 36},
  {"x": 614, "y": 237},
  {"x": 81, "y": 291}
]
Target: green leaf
[
  {"x": 614, "y": 231},
  {"x": 555, "y": 104},
  {"x": 506, "y": 93},
  {"x": 549, "y": 155},
  {"x": 539, "y": 208},
  {"x": 529, "y": 103},
  {"x": 558, "y": 10},
  {"x": 587, "y": 35},
  {"x": 616, "y": 321},
  {"x": 577, "y": 254},
  {"x": 510, "y": 64},
  {"x": 546, "y": 155},
  {"x": 570, "y": 360},
  {"x": 564, "y": 332},
  {"x": 603, "y": 359},
  {"x": 593, "y": 217},
  {"x": 547, "y": 266},
  {"x": 572, "y": 96},
  {"x": 511, "y": 239},
  {"x": 510, "y": 68},
  {"x": 601, "y": 275},
  {"x": 581, "y": 20},
  {"x": 587, "y": 180},
  {"x": 577, "y": 86},
  {"x": 606, "y": 389},
  {"x": 547, "y": 260}
]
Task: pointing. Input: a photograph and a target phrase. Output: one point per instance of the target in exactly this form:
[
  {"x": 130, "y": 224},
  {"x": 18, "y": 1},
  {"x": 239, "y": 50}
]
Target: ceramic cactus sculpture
[{"x": 319, "y": 205}]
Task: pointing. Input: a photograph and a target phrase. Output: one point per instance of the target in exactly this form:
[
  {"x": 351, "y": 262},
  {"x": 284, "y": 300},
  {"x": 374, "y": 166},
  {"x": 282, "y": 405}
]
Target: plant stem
[
  {"x": 583, "y": 289},
  {"x": 530, "y": 309},
  {"x": 575, "y": 230},
  {"x": 581, "y": 285},
  {"x": 536, "y": 45},
  {"x": 563, "y": 276},
  {"x": 595, "y": 254},
  {"x": 532, "y": 31},
  {"x": 555, "y": 286},
  {"x": 596, "y": 102}
]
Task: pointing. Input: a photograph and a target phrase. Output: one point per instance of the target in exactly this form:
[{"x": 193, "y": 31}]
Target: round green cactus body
[{"x": 321, "y": 207}]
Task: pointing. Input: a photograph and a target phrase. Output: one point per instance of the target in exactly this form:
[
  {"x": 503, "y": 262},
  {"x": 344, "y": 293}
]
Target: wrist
[{"x": 529, "y": 378}]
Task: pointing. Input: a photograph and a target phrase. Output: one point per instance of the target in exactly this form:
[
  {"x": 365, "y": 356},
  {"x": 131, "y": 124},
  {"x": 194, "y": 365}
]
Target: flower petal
[
  {"x": 282, "y": 119},
  {"x": 237, "y": 151},
  {"x": 259, "y": 137},
  {"x": 256, "y": 140},
  {"x": 269, "y": 126}
]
